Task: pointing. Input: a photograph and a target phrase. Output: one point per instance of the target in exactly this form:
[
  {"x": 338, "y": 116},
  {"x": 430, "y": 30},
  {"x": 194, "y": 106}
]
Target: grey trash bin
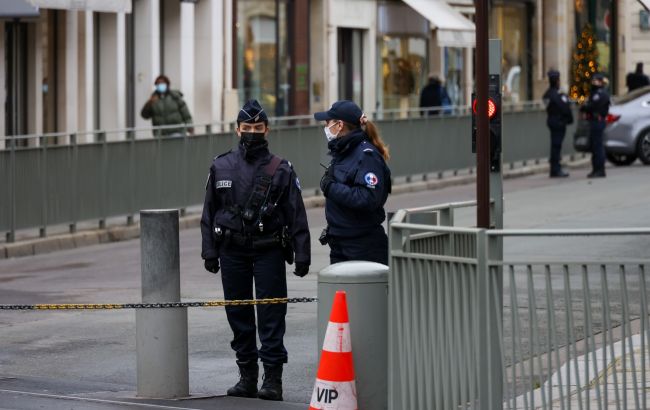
[{"x": 366, "y": 286}]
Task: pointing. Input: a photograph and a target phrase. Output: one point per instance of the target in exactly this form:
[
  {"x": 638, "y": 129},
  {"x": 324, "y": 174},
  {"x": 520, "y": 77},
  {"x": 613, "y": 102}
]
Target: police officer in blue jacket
[
  {"x": 253, "y": 221},
  {"x": 558, "y": 111},
  {"x": 356, "y": 185},
  {"x": 596, "y": 109}
]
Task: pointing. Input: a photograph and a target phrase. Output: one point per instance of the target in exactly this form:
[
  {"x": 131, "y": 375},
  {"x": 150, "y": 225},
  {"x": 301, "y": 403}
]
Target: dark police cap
[
  {"x": 553, "y": 74},
  {"x": 252, "y": 112},
  {"x": 344, "y": 110},
  {"x": 599, "y": 76}
]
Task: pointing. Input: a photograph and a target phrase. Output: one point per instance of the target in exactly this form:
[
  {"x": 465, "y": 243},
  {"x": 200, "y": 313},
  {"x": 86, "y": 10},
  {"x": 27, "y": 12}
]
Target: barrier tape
[{"x": 112, "y": 306}]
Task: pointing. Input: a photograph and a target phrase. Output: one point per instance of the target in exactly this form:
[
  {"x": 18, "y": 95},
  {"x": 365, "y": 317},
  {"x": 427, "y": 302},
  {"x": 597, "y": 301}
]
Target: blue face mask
[{"x": 161, "y": 88}]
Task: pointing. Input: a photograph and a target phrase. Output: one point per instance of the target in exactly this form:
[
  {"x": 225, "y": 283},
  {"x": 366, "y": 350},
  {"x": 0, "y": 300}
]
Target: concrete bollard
[
  {"x": 161, "y": 334},
  {"x": 366, "y": 285}
]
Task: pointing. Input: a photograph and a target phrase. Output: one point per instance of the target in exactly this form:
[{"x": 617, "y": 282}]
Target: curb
[{"x": 61, "y": 242}]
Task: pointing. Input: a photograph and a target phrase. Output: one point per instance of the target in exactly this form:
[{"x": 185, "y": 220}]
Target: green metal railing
[
  {"x": 470, "y": 331},
  {"x": 60, "y": 179}
]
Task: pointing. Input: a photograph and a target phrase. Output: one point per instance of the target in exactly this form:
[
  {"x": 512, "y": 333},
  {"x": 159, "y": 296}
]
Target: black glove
[
  {"x": 212, "y": 265},
  {"x": 326, "y": 182},
  {"x": 302, "y": 269}
]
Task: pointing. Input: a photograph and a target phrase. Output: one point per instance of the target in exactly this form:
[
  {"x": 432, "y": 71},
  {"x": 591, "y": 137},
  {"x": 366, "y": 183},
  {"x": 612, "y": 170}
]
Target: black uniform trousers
[
  {"x": 240, "y": 267},
  {"x": 596, "y": 129},
  {"x": 372, "y": 247},
  {"x": 557, "y": 137}
]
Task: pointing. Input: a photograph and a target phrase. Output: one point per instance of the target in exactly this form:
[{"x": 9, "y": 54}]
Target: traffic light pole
[
  {"x": 496, "y": 163},
  {"x": 482, "y": 125}
]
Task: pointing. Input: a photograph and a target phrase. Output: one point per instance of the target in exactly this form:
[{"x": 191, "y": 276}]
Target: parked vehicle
[{"x": 627, "y": 135}]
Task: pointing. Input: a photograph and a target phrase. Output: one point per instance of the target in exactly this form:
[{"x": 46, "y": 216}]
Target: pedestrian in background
[
  {"x": 596, "y": 109},
  {"x": 356, "y": 185},
  {"x": 433, "y": 95},
  {"x": 558, "y": 116},
  {"x": 253, "y": 221},
  {"x": 167, "y": 107},
  {"x": 636, "y": 79}
]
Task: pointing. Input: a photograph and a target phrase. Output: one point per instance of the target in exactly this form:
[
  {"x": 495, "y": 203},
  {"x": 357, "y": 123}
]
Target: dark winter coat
[{"x": 231, "y": 180}]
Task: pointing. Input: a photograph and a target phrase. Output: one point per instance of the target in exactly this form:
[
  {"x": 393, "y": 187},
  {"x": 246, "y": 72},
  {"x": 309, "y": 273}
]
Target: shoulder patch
[
  {"x": 371, "y": 180},
  {"x": 298, "y": 184},
  {"x": 596, "y": 97},
  {"x": 368, "y": 150}
]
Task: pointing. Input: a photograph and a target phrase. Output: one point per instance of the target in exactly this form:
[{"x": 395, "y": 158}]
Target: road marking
[{"x": 124, "y": 403}]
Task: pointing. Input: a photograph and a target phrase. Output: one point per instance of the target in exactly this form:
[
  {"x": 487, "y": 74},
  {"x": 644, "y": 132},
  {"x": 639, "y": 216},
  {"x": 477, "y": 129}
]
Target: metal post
[
  {"x": 483, "y": 131},
  {"x": 11, "y": 235},
  {"x": 161, "y": 334},
  {"x": 101, "y": 138},
  {"x": 73, "y": 176},
  {"x": 42, "y": 231},
  {"x": 496, "y": 179},
  {"x": 366, "y": 285},
  {"x": 495, "y": 243}
]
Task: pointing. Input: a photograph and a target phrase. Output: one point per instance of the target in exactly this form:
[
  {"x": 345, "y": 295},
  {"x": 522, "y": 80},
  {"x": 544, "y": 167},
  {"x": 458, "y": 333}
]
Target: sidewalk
[
  {"x": 32, "y": 393},
  {"x": 27, "y": 245},
  {"x": 603, "y": 385}
]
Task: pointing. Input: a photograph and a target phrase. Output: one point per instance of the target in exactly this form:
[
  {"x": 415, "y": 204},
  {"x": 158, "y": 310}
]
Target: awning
[
  {"x": 108, "y": 6},
  {"x": 645, "y": 3},
  {"x": 18, "y": 9},
  {"x": 452, "y": 28}
]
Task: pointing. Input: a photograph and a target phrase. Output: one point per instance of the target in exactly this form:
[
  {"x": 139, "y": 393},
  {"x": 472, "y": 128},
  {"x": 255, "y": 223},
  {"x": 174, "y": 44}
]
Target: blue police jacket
[
  {"x": 355, "y": 199},
  {"x": 558, "y": 108},
  {"x": 597, "y": 106},
  {"x": 230, "y": 182}
]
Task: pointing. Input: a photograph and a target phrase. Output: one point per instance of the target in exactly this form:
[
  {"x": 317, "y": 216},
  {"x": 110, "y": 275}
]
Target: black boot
[
  {"x": 247, "y": 385},
  {"x": 272, "y": 385}
]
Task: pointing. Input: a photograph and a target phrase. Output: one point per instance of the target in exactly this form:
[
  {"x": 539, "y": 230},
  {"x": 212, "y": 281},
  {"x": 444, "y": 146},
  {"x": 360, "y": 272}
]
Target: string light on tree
[{"x": 584, "y": 64}]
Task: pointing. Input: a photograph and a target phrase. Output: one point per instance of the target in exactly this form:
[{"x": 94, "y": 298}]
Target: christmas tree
[{"x": 584, "y": 65}]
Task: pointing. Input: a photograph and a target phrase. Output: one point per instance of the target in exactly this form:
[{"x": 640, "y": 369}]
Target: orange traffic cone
[{"x": 334, "y": 387}]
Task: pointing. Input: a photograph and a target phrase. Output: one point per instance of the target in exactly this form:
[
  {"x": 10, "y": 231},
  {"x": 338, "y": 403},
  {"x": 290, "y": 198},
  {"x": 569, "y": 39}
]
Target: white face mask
[{"x": 328, "y": 133}]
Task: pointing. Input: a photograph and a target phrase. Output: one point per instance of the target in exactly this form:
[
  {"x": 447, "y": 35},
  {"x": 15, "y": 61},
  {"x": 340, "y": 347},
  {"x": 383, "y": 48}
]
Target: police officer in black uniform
[
  {"x": 558, "y": 111},
  {"x": 596, "y": 109},
  {"x": 356, "y": 185},
  {"x": 253, "y": 221}
]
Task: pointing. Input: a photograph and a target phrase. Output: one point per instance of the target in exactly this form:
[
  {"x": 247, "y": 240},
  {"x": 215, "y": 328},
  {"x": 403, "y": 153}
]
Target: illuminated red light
[{"x": 492, "y": 107}]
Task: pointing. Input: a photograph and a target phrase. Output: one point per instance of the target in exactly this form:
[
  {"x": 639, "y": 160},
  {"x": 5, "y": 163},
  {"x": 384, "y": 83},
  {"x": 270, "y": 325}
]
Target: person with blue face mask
[
  {"x": 167, "y": 107},
  {"x": 356, "y": 185}
]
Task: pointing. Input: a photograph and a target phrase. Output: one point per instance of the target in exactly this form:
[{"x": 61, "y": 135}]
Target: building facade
[{"x": 73, "y": 67}]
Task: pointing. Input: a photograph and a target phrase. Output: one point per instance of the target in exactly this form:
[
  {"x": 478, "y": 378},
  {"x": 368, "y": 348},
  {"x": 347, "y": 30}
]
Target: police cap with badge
[{"x": 251, "y": 113}]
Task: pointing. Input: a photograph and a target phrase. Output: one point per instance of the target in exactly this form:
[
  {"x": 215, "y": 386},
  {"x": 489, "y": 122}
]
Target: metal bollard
[
  {"x": 161, "y": 334},
  {"x": 366, "y": 285}
]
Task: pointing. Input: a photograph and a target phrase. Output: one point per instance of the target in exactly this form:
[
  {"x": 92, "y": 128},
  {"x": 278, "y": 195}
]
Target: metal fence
[
  {"x": 73, "y": 178},
  {"x": 470, "y": 331}
]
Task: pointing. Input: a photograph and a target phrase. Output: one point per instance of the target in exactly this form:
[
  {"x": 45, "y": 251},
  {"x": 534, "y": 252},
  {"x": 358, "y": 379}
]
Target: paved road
[{"x": 90, "y": 348}]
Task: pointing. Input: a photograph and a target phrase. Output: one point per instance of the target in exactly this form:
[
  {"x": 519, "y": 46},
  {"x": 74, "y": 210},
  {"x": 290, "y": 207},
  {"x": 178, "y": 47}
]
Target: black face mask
[{"x": 253, "y": 142}]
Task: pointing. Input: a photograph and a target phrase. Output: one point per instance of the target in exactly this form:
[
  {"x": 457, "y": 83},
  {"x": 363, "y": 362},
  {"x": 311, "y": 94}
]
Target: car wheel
[
  {"x": 643, "y": 147},
  {"x": 621, "y": 159}
]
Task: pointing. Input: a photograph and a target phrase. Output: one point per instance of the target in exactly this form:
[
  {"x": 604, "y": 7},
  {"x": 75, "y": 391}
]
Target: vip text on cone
[{"x": 334, "y": 387}]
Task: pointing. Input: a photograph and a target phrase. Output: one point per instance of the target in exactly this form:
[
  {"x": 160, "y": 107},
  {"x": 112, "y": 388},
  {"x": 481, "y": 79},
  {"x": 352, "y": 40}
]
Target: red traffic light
[{"x": 492, "y": 107}]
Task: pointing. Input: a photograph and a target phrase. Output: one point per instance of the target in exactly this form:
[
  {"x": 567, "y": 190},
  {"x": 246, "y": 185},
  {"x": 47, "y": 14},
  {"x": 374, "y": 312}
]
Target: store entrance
[{"x": 350, "y": 65}]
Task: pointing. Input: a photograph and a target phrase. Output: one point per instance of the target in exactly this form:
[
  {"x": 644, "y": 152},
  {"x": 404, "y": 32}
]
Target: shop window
[
  {"x": 403, "y": 71},
  {"x": 454, "y": 74},
  {"x": 262, "y": 54},
  {"x": 511, "y": 23}
]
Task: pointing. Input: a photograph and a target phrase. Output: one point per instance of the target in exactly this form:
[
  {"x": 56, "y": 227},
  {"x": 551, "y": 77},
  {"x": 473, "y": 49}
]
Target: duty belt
[{"x": 256, "y": 241}]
